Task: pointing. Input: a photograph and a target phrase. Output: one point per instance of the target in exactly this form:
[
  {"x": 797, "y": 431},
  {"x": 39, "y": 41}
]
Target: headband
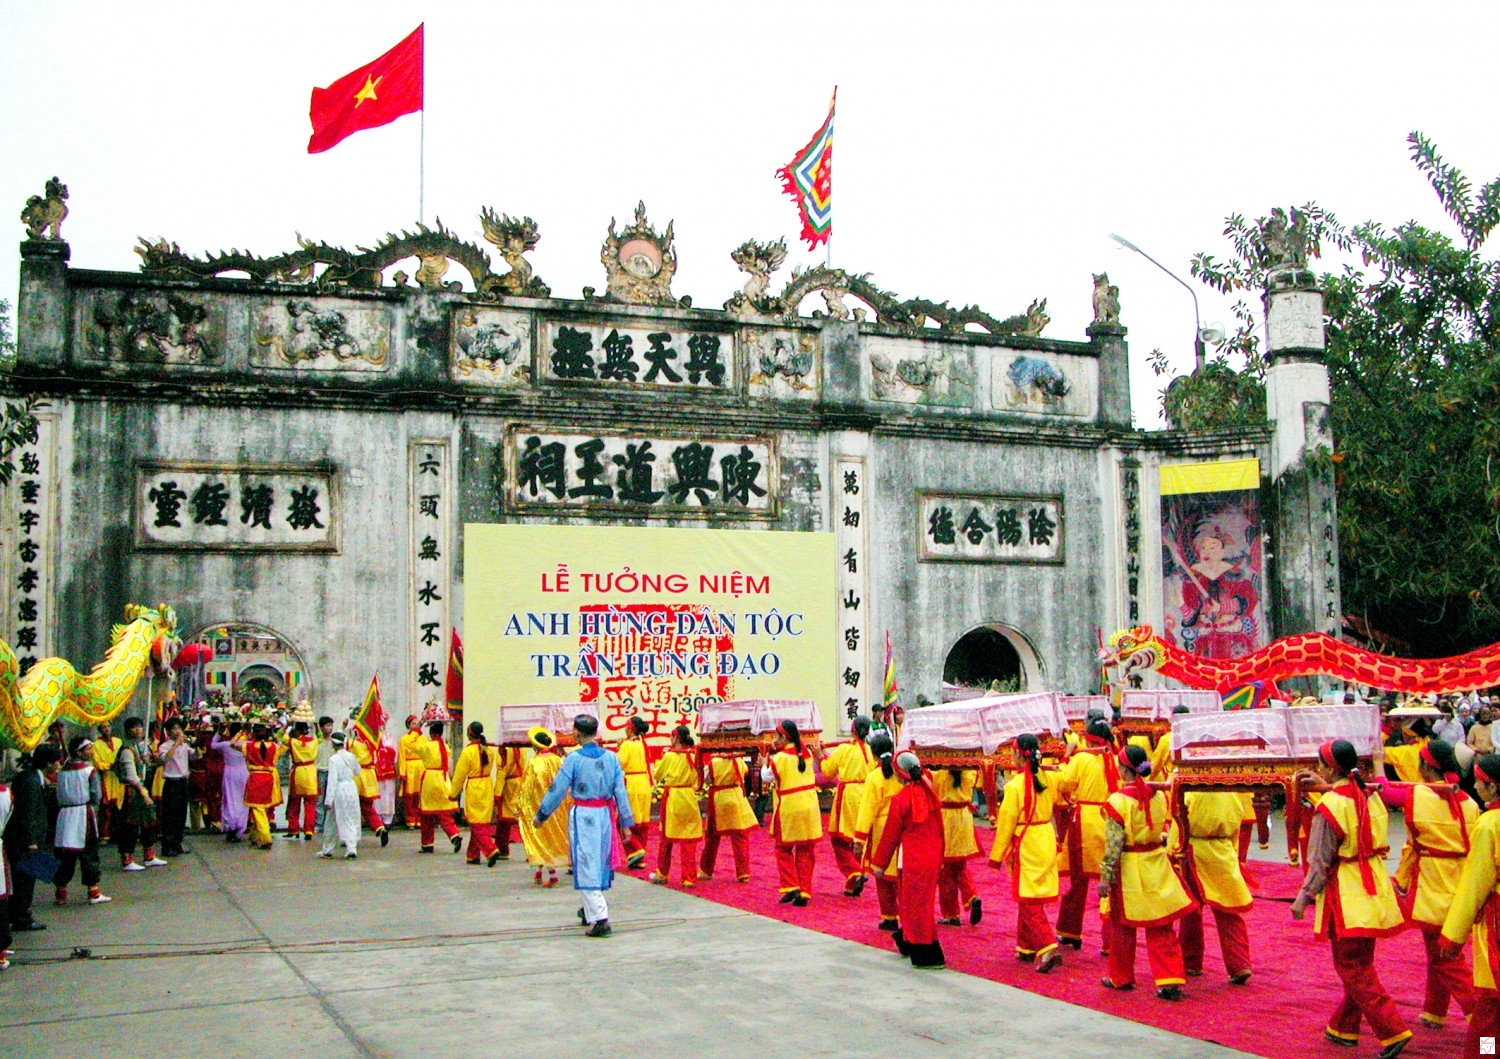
[
  {"x": 1325, "y": 755},
  {"x": 1479, "y": 767}
]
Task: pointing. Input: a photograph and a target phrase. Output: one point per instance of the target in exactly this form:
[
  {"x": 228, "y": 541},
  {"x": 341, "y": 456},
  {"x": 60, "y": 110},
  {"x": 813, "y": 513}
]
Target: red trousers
[
  {"x": 687, "y": 868},
  {"x": 1486, "y": 1023},
  {"x": 502, "y": 836},
  {"x": 1451, "y": 978},
  {"x": 1260, "y": 826},
  {"x": 432, "y": 821},
  {"x": 1354, "y": 960},
  {"x": 917, "y": 899},
  {"x": 636, "y": 843},
  {"x": 739, "y": 841},
  {"x": 481, "y": 842},
  {"x": 843, "y": 856},
  {"x": 1162, "y": 950},
  {"x": 888, "y": 896},
  {"x": 1033, "y": 929},
  {"x": 794, "y": 866},
  {"x": 308, "y": 805},
  {"x": 1070, "y": 912},
  {"x": 1234, "y": 940},
  {"x": 372, "y": 818},
  {"x": 956, "y": 888},
  {"x": 413, "y": 805}
]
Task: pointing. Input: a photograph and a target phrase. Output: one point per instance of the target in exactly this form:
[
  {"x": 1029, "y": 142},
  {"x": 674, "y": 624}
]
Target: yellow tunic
[
  {"x": 638, "y": 779},
  {"x": 1433, "y": 858},
  {"x": 1161, "y": 759},
  {"x": 849, "y": 763},
  {"x": 1085, "y": 783},
  {"x": 476, "y": 782},
  {"x": 368, "y": 788},
  {"x": 433, "y": 754},
  {"x": 510, "y": 775},
  {"x": 958, "y": 814},
  {"x": 728, "y": 805},
  {"x": 796, "y": 817},
  {"x": 1476, "y": 902},
  {"x": 874, "y": 807},
  {"x": 1024, "y": 836},
  {"x": 1406, "y": 761},
  {"x": 304, "y": 754},
  {"x": 103, "y": 755},
  {"x": 1146, "y": 885},
  {"x": 1213, "y": 870},
  {"x": 546, "y": 846},
  {"x": 408, "y": 764},
  {"x": 1344, "y": 901},
  {"x": 677, "y": 775}
]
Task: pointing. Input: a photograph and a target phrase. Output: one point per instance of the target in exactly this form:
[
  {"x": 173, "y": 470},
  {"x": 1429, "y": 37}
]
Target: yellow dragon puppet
[{"x": 53, "y": 690}]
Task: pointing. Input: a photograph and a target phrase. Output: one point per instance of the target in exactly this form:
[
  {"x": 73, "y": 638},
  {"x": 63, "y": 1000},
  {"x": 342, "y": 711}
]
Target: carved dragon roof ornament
[
  {"x": 514, "y": 237},
  {"x": 45, "y": 213},
  {"x": 639, "y": 264}
]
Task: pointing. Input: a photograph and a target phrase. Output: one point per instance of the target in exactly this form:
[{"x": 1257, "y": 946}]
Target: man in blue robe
[{"x": 600, "y": 808}]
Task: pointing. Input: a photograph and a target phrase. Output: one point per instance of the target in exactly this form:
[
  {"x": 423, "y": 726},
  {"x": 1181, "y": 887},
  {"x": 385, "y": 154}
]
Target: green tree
[
  {"x": 17, "y": 423},
  {"x": 1413, "y": 336}
]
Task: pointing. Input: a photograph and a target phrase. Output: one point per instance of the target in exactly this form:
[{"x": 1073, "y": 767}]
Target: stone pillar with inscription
[{"x": 1306, "y": 593}]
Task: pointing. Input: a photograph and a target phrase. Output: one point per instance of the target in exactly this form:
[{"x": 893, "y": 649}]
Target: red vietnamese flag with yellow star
[{"x": 376, "y": 94}]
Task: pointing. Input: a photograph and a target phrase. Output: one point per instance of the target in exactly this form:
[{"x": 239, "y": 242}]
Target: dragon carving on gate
[{"x": 1301, "y": 655}]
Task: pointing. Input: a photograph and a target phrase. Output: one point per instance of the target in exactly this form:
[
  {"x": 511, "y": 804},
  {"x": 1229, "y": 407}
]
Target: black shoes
[
  {"x": 1169, "y": 992},
  {"x": 976, "y": 912},
  {"x": 458, "y": 843},
  {"x": 788, "y": 897},
  {"x": 599, "y": 930},
  {"x": 493, "y": 857},
  {"x": 384, "y": 834},
  {"x": 800, "y": 900}
]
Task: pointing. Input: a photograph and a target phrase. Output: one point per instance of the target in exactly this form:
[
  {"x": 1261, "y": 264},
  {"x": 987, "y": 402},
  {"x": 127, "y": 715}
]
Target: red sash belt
[
  {"x": 1143, "y": 847},
  {"x": 638, "y": 773},
  {"x": 798, "y": 790},
  {"x": 261, "y": 768},
  {"x": 957, "y": 805},
  {"x": 1443, "y": 854},
  {"x": 593, "y": 803}
]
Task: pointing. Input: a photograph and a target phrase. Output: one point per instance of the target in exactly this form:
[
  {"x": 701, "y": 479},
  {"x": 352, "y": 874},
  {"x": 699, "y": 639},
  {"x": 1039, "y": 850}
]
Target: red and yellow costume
[
  {"x": 796, "y": 820},
  {"x": 849, "y": 763},
  {"x": 1355, "y": 905},
  {"x": 874, "y": 806},
  {"x": 369, "y": 788},
  {"x": 1145, "y": 892},
  {"x": 547, "y": 847},
  {"x": 638, "y": 784},
  {"x": 302, "y": 793},
  {"x": 262, "y": 788},
  {"x": 103, "y": 754},
  {"x": 955, "y": 885},
  {"x": 474, "y": 778},
  {"x": 1211, "y": 870},
  {"x": 1026, "y": 844},
  {"x": 729, "y": 815},
  {"x": 915, "y": 823},
  {"x": 1089, "y": 777},
  {"x": 1439, "y": 821},
  {"x": 678, "y": 778},
  {"x": 1406, "y": 760},
  {"x": 510, "y": 774},
  {"x": 1476, "y": 908},
  {"x": 437, "y": 806},
  {"x": 409, "y": 771}
]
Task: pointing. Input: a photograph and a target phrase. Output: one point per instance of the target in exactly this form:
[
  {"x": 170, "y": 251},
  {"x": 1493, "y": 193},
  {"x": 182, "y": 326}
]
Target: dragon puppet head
[
  {"x": 1133, "y": 650},
  {"x": 165, "y": 643}
]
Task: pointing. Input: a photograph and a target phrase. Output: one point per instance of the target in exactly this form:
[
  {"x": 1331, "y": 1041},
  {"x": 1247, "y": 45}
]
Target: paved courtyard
[{"x": 232, "y": 952}]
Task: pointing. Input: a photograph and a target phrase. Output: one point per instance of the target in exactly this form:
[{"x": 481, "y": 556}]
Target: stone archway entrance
[
  {"x": 250, "y": 662},
  {"x": 993, "y": 656}
]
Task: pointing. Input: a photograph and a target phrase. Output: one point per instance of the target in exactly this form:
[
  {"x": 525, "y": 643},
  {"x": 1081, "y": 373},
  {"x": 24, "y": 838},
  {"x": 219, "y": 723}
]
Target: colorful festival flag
[
  {"x": 889, "y": 699},
  {"x": 376, "y": 94},
  {"x": 1251, "y": 696},
  {"x": 808, "y": 178},
  {"x": 369, "y": 720},
  {"x": 455, "y": 685}
]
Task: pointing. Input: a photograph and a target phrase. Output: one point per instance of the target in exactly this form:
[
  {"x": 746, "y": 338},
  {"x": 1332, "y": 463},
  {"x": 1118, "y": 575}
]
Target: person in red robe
[{"x": 915, "y": 824}]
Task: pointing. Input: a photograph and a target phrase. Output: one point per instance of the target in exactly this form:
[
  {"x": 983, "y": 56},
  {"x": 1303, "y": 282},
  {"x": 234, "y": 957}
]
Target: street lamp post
[{"x": 1200, "y": 354}]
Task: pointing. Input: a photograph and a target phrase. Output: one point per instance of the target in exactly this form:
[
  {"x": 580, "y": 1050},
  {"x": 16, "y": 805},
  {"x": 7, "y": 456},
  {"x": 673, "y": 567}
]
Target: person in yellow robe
[
  {"x": 1356, "y": 904},
  {"x": 409, "y": 771},
  {"x": 546, "y": 846},
  {"x": 437, "y": 806},
  {"x": 369, "y": 787},
  {"x": 1439, "y": 820},
  {"x": 103, "y": 753},
  {"x": 881, "y": 785},
  {"x": 1476, "y": 907},
  {"x": 638, "y": 784},
  {"x": 849, "y": 763},
  {"x": 729, "y": 815},
  {"x": 1026, "y": 845},
  {"x": 1211, "y": 870},
  {"x": 1137, "y": 878},
  {"x": 955, "y": 791},
  {"x": 796, "y": 820},
  {"x": 510, "y": 774},
  {"x": 302, "y": 785},
  {"x": 1405, "y": 759},
  {"x": 1089, "y": 776},
  {"x": 474, "y": 780},
  {"x": 678, "y": 780}
]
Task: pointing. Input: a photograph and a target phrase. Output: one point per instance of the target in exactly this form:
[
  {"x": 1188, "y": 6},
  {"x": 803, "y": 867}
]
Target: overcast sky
[{"x": 983, "y": 152}]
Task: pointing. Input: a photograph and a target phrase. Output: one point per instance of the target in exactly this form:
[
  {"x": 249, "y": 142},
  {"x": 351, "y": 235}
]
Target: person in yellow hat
[{"x": 546, "y": 843}]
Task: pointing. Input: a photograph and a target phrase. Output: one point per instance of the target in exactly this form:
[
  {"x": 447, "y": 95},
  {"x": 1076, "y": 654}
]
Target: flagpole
[{"x": 422, "y": 166}]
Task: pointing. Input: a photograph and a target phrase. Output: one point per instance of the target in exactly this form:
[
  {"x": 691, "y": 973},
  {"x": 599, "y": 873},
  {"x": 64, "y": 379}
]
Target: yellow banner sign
[{"x": 647, "y": 621}]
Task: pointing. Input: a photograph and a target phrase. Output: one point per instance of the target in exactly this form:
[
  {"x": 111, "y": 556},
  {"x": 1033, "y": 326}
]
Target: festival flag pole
[{"x": 422, "y": 147}]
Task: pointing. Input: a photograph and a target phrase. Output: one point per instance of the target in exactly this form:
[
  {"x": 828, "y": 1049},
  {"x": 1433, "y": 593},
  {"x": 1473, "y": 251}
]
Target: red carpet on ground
[{"x": 1280, "y": 1013}]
